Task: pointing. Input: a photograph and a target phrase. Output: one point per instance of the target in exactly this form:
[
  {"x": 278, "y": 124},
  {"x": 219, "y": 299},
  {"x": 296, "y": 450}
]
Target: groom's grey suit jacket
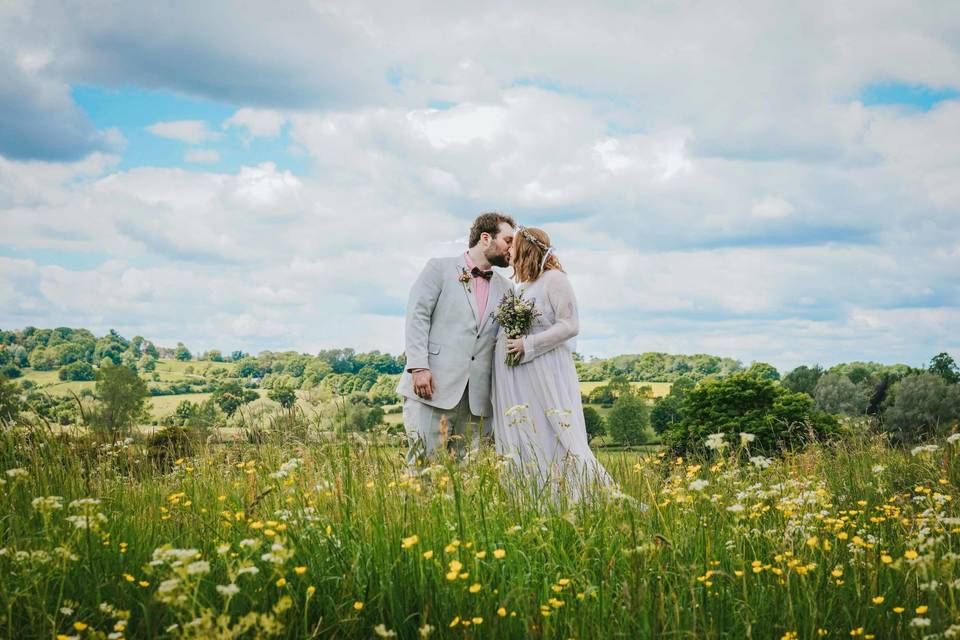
[{"x": 445, "y": 334}]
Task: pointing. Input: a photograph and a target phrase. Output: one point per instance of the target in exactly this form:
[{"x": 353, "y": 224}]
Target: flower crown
[{"x": 548, "y": 250}]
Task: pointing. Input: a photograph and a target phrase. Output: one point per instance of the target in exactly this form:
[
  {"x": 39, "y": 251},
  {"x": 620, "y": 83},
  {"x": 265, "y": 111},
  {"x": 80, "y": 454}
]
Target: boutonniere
[{"x": 465, "y": 277}]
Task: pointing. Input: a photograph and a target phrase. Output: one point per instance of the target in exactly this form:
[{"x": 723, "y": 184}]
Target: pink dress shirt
[{"x": 481, "y": 288}]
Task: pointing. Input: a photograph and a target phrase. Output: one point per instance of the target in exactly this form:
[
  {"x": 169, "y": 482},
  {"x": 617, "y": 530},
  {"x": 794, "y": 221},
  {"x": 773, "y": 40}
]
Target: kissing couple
[{"x": 457, "y": 381}]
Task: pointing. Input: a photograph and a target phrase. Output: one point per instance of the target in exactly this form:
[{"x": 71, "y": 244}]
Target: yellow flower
[
  {"x": 502, "y": 612},
  {"x": 300, "y": 570},
  {"x": 886, "y": 559},
  {"x": 455, "y": 566},
  {"x": 921, "y": 609},
  {"x": 311, "y": 590},
  {"x": 455, "y": 622},
  {"x": 406, "y": 543},
  {"x": 499, "y": 554},
  {"x": 898, "y": 609},
  {"x": 910, "y": 554},
  {"x": 144, "y": 584},
  {"x": 475, "y": 587},
  {"x": 428, "y": 554},
  {"x": 80, "y": 626},
  {"x": 477, "y": 620},
  {"x": 357, "y": 606},
  {"x": 481, "y": 555},
  {"x": 878, "y": 600},
  {"x": 281, "y": 582},
  {"x": 856, "y": 632},
  {"x": 128, "y": 577}
]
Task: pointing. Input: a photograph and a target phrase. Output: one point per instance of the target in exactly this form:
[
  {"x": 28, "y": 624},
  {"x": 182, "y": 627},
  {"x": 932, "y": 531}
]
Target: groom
[{"x": 450, "y": 338}]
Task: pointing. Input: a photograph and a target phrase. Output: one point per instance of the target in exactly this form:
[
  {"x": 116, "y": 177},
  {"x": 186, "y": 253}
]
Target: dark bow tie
[{"x": 477, "y": 273}]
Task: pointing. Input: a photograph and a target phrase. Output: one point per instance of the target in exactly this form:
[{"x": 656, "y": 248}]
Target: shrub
[
  {"x": 745, "y": 403},
  {"x": 79, "y": 370},
  {"x": 170, "y": 444},
  {"x": 594, "y": 423}
]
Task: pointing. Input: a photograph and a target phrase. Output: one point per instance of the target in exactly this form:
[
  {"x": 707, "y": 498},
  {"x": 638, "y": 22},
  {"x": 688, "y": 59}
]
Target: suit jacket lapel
[{"x": 468, "y": 290}]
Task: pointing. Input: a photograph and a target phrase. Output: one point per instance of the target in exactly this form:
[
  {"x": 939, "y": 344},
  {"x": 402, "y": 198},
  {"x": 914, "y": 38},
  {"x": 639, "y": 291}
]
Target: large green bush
[{"x": 745, "y": 403}]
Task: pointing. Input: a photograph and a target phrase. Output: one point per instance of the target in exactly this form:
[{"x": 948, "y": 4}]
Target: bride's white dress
[{"x": 537, "y": 415}]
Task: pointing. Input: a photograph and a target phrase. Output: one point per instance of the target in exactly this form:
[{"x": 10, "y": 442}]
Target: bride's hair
[{"x": 530, "y": 245}]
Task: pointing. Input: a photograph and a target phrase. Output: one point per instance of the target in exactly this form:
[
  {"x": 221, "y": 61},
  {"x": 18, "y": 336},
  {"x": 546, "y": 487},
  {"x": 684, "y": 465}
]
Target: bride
[{"x": 538, "y": 420}]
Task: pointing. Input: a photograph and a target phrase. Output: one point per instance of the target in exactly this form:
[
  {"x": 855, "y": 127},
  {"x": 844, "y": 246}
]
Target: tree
[
  {"x": 764, "y": 371},
  {"x": 921, "y": 405},
  {"x": 746, "y": 403},
  {"x": 838, "y": 394},
  {"x": 628, "y": 419},
  {"x": 803, "y": 379},
  {"x": 230, "y": 396},
  {"x": 10, "y": 371},
  {"x": 668, "y": 410},
  {"x": 594, "y": 423},
  {"x": 182, "y": 353},
  {"x": 146, "y": 363},
  {"x": 123, "y": 397},
  {"x": 283, "y": 395},
  {"x": 9, "y": 401},
  {"x": 944, "y": 366},
  {"x": 79, "y": 370}
]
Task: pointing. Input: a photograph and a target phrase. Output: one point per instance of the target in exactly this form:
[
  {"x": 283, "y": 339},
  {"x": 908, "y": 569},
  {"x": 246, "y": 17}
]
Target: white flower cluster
[
  {"x": 924, "y": 448},
  {"x": 698, "y": 485},
  {"x": 286, "y": 468},
  {"x": 953, "y": 438},
  {"x": 48, "y": 503},
  {"x": 715, "y": 441},
  {"x": 173, "y": 557},
  {"x": 17, "y": 472},
  {"x": 760, "y": 462}
]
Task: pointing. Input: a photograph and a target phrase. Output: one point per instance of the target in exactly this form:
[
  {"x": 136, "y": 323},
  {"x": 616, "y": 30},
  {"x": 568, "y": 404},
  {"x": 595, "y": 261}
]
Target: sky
[{"x": 767, "y": 181}]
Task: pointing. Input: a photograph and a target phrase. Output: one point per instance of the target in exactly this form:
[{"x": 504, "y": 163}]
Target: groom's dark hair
[{"x": 488, "y": 223}]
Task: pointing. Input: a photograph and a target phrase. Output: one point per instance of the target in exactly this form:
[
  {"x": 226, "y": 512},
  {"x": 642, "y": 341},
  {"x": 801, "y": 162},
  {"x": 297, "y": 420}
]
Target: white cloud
[
  {"x": 708, "y": 172},
  {"x": 202, "y": 156},
  {"x": 189, "y": 131},
  {"x": 259, "y": 123}
]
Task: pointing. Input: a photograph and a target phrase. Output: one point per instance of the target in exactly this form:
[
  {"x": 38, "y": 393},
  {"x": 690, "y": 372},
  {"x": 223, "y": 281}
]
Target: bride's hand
[{"x": 515, "y": 346}]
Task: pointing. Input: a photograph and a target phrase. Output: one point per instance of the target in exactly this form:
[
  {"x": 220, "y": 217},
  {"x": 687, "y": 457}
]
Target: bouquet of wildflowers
[{"x": 515, "y": 314}]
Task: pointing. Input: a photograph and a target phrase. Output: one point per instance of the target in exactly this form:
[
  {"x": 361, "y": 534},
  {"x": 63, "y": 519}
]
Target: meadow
[{"x": 850, "y": 538}]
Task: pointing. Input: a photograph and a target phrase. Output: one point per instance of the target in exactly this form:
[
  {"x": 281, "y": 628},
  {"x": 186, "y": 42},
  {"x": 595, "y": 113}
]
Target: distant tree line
[{"x": 656, "y": 367}]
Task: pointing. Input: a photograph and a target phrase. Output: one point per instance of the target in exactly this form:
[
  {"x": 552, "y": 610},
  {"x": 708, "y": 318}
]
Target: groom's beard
[{"x": 499, "y": 260}]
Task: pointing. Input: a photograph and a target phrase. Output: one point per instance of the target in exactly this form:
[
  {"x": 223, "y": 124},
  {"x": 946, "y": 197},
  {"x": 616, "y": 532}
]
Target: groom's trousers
[{"x": 429, "y": 429}]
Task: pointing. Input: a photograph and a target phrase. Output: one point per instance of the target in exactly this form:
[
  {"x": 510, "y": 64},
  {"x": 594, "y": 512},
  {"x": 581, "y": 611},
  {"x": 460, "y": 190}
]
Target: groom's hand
[{"x": 423, "y": 384}]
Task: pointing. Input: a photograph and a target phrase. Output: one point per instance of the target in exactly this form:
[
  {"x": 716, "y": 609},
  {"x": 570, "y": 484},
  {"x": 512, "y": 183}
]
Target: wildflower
[
  {"x": 475, "y": 587},
  {"x": 228, "y": 590},
  {"x": 698, "y": 485},
  {"x": 406, "y": 543},
  {"x": 922, "y": 449},
  {"x": 910, "y": 554},
  {"x": 198, "y": 568},
  {"x": 746, "y": 438},
  {"x": 49, "y": 503},
  {"x": 886, "y": 559},
  {"x": 223, "y": 549},
  {"x": 920, "y": 622},
  {"x": 358, "y": 606},
  {"x": 455, "y": 622},
  {"x": 300, "y": 570},
  {"x": 922, "y": 609},
  {"x": 480, "y": 555},
  {"x": 953, "y": 438},
  {"x": 499, "y": 554},
  {"x": 311, "y": 590},
  {"x": 760, "y": 462},
  {"x": 286, "y": 468},
  {"x": 427, "y": 555},
  {"x": 425, "y": 630},
  {"x": 878, "y": 600},
  {"x": 477, "y": 620},
  {"x": 898, "y": 609},
  {"x": 502, "y": 612},
  {"x": 282, "y": 582},
  {"x": 18, "y": 472},
  {"x": 735, "y": 508},
  {"x": 878, "y": 469},
  {"x": 80, "y": 626},
  {"x": 715, "y": 441},
  {"x": 382, "y": 631}
]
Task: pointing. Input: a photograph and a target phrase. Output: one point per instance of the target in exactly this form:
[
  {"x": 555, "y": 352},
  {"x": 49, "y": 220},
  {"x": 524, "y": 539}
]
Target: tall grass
[{"x": 333, "y": 539}]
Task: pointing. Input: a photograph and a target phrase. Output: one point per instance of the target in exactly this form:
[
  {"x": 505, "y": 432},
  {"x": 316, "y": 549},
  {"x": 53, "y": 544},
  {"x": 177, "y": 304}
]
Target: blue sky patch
[
  {"x": 131, "y": 110},
  {"x": 917, "y": 96}
]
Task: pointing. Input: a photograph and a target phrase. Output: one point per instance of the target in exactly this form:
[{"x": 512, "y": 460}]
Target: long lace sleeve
[{"x": 566, "y": 324}]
